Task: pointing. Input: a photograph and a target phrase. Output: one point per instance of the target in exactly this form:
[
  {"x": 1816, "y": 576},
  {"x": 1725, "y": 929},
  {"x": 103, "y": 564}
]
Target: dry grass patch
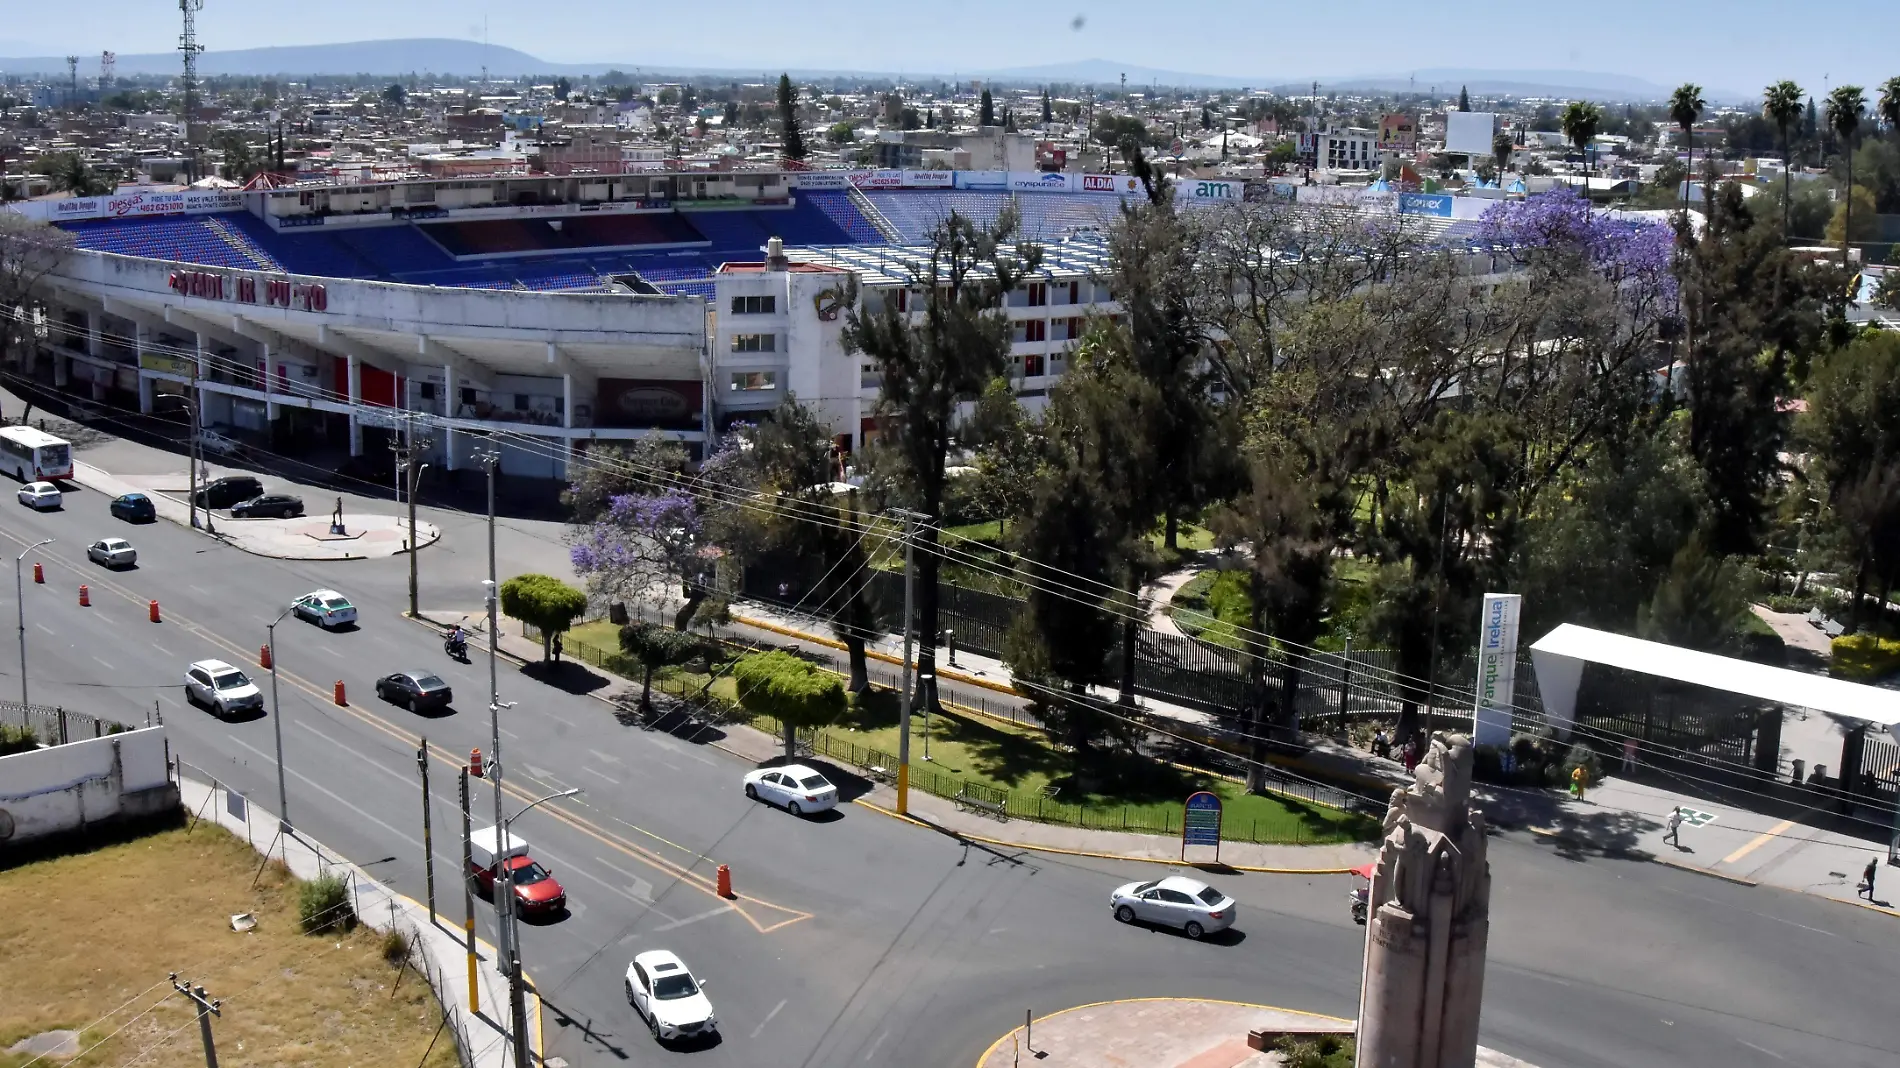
[{"x": 96, "y": 933}]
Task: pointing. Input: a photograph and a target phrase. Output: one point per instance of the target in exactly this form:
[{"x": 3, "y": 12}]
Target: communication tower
[
  {"x": 108, "y": 64},
  {"x": 72, "y": 81},
  {"x": 189, "y": 48}
]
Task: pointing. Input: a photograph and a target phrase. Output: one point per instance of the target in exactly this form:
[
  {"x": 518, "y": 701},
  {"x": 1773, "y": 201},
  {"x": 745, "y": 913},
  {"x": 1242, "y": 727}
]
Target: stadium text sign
[
  {"x": 246, "y": 289},
  {"x": 188, "y": 202}
]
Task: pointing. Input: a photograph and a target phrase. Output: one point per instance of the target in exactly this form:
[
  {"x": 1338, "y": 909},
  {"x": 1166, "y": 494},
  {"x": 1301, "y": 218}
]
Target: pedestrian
[
  {"x": 1867, "y": 878},
  {"x": 1672, "y": 832},
  {"x": 557, "y": 648},
  {"x": 1629, "y": 755},
  {"x": 1411, "y": 755},
  {"x": 1579, "y": 777},
  {"x": 1381, "y": 745}
]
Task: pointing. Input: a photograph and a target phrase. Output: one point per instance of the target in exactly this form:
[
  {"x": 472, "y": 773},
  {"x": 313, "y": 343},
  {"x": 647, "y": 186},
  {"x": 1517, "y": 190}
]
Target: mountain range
[{"x": 453, "y": 56}]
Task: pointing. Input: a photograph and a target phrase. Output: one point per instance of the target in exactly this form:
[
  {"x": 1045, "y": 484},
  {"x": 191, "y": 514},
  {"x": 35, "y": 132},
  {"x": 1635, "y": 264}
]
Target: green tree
[
  {"x": 1685, "y": 107},
  {"x": 1852, "y": 430},
  {"x": 1845, "y": 106},
  {"x": 1464, "y": 99},
  {"x": 562, "y": 88},
  {"x": 395, "y": 96},
  {"x": 1008, "y": 454},
  {"x": 544, "y": 603},
  {"x": 930, "y": 362},
  {"x": 71, "y": 174},
  {"x": 841, "y": 133},
  {"x": 1781, "y": 105},
  {"x": 1699, "y": 605},
  {"x": 793, "y": 136},
  {"x": 1501, "y": 148},
  {"x": 656, "y": 647},
  {"x": 796, "y": 693},
  {"x": 1048, "y": 116},
  {"x": 1856, "y": 208},
  {"x": 1581, "y": 121},
  {"x": 1889, "y": 106},
  {"x": 986, "y": 110}
]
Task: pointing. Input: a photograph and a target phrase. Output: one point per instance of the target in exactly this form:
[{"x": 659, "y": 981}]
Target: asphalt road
[{"x": 861, "y": 940}]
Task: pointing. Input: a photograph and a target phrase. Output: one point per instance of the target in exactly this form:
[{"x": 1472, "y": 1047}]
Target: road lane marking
[
  {"x": 872, "y": 1052},
  {"x": 608, "y": 757},
  {"x": 602, "y": 774},
  {"x": 44, "y": 627},
  {"x": 511, "y": 735},
  {"x": 775, "y": 916},
  {"x": 325, "y": 791},
  {"x": 1759, "y": 840},
  {"x": 103, "y": 664},
  {"x": 640, "y": 888},
  {"x": 707, "y": 915},
  {"x": 768, "y": 1018}
]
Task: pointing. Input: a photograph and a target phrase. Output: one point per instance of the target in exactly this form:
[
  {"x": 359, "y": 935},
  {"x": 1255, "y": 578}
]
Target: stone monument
[{"x": 1429, "y": 918}]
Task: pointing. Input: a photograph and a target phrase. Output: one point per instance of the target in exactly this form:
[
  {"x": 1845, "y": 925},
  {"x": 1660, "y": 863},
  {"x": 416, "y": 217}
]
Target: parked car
[
  {"x": 216, "y": 444},
  {"x": 229, "y": 490},
  {"x": 414, "y": 690},
  {"x": 537, "y": 892},
  {"x": 112, "y": 552},
  {"x": 325, "y": 608},
  {"x": 663, "y": 991},
  {"x": 1176, "y": 901},
  {"x": 133, "y": 508},
  {"x": 222, "y": 688},
  {"x": 40, "y": 496},
  {"x": 795, "y": 787},
  {"x": 269, "y": 506}
]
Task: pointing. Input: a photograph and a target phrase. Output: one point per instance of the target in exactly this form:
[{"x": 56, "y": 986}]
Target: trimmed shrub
[
  {"x": 323, "y": 904},
  {"x": 17, "y": 740},
  {"x": 792, "y": 691},
  {"x": 1864, "y": 656}
]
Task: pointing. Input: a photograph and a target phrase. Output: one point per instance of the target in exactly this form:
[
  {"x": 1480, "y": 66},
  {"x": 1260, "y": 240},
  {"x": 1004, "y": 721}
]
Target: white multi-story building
[{"x": 1349, "y": 149}]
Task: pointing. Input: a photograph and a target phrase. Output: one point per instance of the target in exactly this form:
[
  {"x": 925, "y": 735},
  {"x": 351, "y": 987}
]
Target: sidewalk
[
  {"x": 441, "y": 953},
  {"x": 368, "y": 536},
  {"x": 1169, "y": 1033}
]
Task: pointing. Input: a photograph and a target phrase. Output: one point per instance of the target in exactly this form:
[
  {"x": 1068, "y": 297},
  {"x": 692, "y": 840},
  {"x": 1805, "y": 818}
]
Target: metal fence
[{"x": 57, "y": 726}]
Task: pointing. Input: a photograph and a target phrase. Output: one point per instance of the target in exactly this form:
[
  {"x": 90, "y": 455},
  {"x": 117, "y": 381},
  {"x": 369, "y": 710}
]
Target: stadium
[{"x": 534, "y": 314}]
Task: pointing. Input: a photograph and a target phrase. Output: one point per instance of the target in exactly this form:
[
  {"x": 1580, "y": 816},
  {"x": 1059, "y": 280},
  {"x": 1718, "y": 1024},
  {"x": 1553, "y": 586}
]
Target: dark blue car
[{"x": 134, "y": 508}]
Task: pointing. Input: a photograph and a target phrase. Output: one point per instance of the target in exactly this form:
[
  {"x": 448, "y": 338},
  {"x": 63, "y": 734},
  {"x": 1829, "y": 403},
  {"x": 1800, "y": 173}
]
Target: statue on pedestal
[{"x": 1430, "y": 910}]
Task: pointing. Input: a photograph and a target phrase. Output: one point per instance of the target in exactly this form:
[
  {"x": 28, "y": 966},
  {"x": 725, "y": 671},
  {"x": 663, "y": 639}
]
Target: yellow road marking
[
  {"x": 702, "y": 883},
  {"x": 1759, "y": 840}
]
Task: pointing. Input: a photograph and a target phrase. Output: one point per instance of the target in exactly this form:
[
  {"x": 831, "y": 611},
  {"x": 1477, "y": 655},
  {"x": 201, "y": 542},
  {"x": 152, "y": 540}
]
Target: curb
[
  {"x": 1631, "y": 854},
  {"x": 994, "y": 1046}
]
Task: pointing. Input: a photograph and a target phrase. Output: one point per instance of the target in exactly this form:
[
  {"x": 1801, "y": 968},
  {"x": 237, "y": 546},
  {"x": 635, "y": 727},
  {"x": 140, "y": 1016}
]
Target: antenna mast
[
  {"x": 108, "y": 65},
  {"x": 189, "y": 47},
  {"x": 72, "y": 83}
]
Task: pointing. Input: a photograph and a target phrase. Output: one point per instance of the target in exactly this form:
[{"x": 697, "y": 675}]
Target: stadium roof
[{"x": 1560, "y": 655}]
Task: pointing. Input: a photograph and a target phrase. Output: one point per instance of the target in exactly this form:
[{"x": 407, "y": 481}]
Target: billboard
[
  {"x": 1212, "y": 189},
  {"x": 1497, "y": 668},
  {"x": 929, "y": 179},
  {"x": 1468, "y": 133},
  {"x": 982, "y": 180},
  {"x": 1111, "y": 183},
  {"x": 1041, "y": 181},
  {"x": 123, "y": 205},
  {"x": 878, "y": 179},
  {"x": 822, "y": 180},
  {"x": 1438, "y": 204}
]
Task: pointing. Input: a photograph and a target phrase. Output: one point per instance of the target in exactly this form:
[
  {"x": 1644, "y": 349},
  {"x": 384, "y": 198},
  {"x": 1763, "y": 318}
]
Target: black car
[
  {"x": 414, "y": 690},
  {"x": 269, "y": 506},
  {"x": 229, "y": 490},
  {"x": 134, "y": 508}
]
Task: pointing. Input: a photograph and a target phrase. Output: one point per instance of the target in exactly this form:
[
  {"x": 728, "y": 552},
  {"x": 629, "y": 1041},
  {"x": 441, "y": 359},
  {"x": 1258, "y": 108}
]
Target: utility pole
[
  {"x": 904, "y": 698},
  {"x": 19, "y": 602},
  {"x": 408, "y": 470},
  {"x": 505, "y": 886},
  {"x": 207, "y": 1008},
  {"x": 428, "y": 837},
  {"x": 468, "y": 902}
]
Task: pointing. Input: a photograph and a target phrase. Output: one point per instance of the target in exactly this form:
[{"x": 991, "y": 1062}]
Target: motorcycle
[
  {"x": 1361, "y": 896},
  {"x": 455, "y": 643}
]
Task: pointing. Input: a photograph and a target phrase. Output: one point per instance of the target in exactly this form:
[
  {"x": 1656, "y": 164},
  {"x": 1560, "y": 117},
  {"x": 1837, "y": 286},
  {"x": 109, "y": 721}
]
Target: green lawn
[{"x": 1213, "y": 606}]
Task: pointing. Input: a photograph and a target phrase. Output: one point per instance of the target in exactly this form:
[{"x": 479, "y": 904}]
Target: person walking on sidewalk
[
  {"x": 1672, "y": 828},
  {"x": 1867, "y": 878},
  {"x": 1579, "y": 778}
]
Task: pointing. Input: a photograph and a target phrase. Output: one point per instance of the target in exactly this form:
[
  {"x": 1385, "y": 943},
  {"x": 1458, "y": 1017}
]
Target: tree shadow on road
[{"x": 566, "y": 676}]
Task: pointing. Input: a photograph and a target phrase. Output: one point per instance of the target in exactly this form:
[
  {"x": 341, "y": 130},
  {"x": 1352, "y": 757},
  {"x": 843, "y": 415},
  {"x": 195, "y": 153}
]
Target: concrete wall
[{"x": 69, "y": 787}]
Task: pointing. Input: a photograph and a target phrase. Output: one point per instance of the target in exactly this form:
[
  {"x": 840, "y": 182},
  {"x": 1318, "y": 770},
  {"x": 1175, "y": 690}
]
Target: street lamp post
[
  {"x": 517, "y": 1005},
  {"x": 19, "y": 599},
  {"x": 277, "y": 721}
]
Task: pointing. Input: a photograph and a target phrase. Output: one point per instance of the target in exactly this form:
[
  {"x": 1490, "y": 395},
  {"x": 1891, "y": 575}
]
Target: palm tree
[
  {"x": 1781, "y": 105},
  {"x": 1889, "y": 108},
  {"x": 1501, "y": 148},
  {"x": 1845, "y": 106},
  {"x": 1685, "y": 107},
  {"x": 1581, "y": 121}
]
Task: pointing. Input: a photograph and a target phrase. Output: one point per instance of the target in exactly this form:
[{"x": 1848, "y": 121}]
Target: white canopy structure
[{"x": 1560, "y": 655}]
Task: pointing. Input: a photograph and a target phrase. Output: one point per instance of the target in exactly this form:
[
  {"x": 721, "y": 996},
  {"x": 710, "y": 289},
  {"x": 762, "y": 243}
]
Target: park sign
[
  {"x": 1497, "y": 668},
  {"x": 1200, "y": 822}
]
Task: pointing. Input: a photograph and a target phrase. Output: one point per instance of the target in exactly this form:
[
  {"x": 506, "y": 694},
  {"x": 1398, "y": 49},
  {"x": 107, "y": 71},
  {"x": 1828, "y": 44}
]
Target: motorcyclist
[{"x": 458, "y": 640}]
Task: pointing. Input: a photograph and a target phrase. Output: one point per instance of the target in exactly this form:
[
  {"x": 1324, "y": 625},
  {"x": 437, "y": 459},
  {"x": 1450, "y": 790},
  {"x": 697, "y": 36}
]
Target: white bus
[{"x": 34, "y": 455}]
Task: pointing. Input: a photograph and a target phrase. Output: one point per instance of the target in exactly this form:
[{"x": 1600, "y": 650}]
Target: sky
[{"x": 1738, "y": 45}]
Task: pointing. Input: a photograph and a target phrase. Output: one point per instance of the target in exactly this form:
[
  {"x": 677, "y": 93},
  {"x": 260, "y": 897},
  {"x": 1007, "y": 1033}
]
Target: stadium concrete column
[
  {"x": 139, "y": 333},
  {"x": 567, "y": 424},
  {"x": 270, "y": 382},
  {"x": 93, "y": 329},
  {"x": 354, "y": 374},
  {"x": 449, "y": 393}
]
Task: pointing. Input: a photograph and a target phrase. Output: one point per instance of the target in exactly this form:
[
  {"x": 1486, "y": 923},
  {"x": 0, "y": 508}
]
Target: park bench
[{"x": 969, "y": 803}]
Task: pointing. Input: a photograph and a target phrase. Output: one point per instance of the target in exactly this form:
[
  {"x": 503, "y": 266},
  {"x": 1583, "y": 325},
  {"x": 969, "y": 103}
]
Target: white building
[{"x": 1349, "y": 149}]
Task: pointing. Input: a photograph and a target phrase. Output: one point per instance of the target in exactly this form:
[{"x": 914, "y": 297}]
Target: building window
[
  {"x": 1036, "y": 330},
  {"x": 1038, "y": 294},
  {"x": 1032, "y": 365},
  {"x": 755, "y": 342},
  {"x": 749, "y": 381},
  {"x": 766, "y": 305}
]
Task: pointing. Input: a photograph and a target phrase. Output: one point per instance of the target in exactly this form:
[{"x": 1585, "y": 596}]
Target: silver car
[
  {"x": 112, "y": 552},
  {"x": 1176, "y": 901},
  {"x": 222, "y": 688}
]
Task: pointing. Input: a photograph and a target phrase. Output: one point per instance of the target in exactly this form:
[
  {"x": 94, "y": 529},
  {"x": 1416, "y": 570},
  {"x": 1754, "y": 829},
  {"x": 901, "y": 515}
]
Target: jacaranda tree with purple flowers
[{"x": 647, "y": 547}]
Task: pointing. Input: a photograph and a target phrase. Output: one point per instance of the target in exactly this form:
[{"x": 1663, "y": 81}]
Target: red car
[{"x": 537, "y": 892}]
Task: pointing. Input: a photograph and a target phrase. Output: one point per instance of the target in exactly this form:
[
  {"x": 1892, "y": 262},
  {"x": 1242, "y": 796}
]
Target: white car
[
  {"x": 112, "y": 552},
  {"x": 221, "y": 688},
  {"x": 1176, "y": 901},
  {"x": 668, "y": 998},
  {"x": 797, "y": 788},
  {"x": 325, "y": 608},
  {"x": 40, "y": 495}
]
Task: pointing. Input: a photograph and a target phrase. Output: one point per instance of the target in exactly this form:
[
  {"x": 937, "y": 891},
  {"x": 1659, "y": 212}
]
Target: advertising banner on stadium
[
  {"x": 982, "y": 180},
  {"x": 929, "y": 179},
  {"x": 1110, "y": 183},
  {"x": 822, "y": 180},
  {"x": 878, "y": 179},
  {"x": 1043, "y": 181},
  {"x": 1189, "y": 189},
  {"x": 1497, "y": 668},
  {"x": 1438, "y": 204},
  {"x": 187, "y": 202}
]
